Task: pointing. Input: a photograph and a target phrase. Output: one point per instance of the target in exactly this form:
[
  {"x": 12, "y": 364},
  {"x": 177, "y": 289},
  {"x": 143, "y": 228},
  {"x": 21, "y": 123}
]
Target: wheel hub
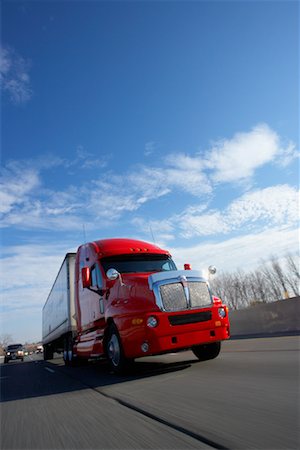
[{"x": 114, "y": 350}]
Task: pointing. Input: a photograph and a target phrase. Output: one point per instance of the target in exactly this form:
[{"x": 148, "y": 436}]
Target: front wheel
[
  {"x": 207, "y": 351},
  {"x": 68, "y": 354},
  {"x": 114, "y": 351}
]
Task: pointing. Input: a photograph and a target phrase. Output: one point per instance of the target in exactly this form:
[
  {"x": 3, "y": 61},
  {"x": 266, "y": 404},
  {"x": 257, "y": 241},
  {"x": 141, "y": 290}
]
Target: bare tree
[
  {"x": 272, "y": 281},
  {"x": 5, "y": 339},
  {"x": 292, "y": 274},
  {"x": 279, "y": 275}
]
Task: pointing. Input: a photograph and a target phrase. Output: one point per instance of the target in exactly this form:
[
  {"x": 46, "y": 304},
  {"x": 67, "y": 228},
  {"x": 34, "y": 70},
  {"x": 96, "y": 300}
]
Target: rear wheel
[
  {"x": 114, "y": 351},
  {"x": 48, "y": 352},
  {"x": 207, "y": 351}
]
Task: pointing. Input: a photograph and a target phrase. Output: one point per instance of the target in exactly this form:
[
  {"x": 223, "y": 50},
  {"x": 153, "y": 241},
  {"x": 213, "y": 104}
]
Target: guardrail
[{"x": 268, "y": 319}]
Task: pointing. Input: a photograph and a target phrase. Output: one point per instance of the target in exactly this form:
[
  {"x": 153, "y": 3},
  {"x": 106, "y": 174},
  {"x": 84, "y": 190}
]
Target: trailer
[{"x": 59, "y": 323}]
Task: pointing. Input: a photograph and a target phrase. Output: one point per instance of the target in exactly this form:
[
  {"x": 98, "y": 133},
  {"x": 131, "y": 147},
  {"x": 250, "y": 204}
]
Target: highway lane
[{"x": 248, "y": 398}]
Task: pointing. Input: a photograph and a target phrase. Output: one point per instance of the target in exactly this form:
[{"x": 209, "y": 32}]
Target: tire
[
  {"x": 69, "y": 358},
  {"x": 114, "y": 351},
  {"x": 5, "y": 361},
  {"x": 48, "y": 352},
  {"x": 205, "y": 352},
  {"x": 68, "y": 351}
]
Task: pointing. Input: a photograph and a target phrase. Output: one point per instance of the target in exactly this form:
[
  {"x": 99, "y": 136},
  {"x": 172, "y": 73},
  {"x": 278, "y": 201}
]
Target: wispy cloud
[
  {"x": 236, "y": 159},
  {"x": 14, "y": 75},
  {"x": 86, "y": 159},
  {"x": 277, "y": 205},
  {"x": 34, "y": 268},
  {"x": 150, "y": 148},
  {"x": 259, "y": 209},
  {"x": 242, "y": 252},
  {"x": 28, "y": 202},
  {"x": 16, "y": 185}
]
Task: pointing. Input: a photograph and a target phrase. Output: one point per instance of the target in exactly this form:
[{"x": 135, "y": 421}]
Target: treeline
[{"x": 273, "y": 280}]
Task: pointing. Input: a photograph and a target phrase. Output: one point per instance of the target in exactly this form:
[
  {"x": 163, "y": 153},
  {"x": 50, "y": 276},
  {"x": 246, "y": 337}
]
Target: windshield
[
  {"x": 15, "y": 347},
  {"x": 138, "y": 263}
]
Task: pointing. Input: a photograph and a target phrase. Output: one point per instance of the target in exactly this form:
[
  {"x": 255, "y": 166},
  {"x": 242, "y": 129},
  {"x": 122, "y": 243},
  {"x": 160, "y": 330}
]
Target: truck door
[{"x": 97, "y": 309}]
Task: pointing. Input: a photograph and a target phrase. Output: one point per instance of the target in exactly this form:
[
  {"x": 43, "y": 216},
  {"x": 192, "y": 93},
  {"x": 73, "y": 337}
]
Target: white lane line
[{"x": 49, "y": 370}]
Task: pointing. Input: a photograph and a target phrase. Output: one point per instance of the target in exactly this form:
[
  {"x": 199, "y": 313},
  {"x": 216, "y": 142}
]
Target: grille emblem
[{"x": 183, "y": 281}]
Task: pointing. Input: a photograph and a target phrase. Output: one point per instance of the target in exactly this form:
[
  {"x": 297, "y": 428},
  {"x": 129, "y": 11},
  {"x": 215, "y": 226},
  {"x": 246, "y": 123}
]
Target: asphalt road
[{"x": 247, "y": 398}]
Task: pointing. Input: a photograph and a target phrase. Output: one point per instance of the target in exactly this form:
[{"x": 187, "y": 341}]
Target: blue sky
[{"x": 172, "y": 121}]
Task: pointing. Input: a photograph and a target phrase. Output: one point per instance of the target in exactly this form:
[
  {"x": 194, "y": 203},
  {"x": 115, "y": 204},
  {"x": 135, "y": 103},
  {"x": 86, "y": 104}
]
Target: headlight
[
  {"x": 152, "y": 322},
  {"x": 8, "y": 353},
  {"x": 222, "y": 312}
]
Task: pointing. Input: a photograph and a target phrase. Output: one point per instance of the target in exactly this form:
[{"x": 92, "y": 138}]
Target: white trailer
[{"x": 59, "y": 324}]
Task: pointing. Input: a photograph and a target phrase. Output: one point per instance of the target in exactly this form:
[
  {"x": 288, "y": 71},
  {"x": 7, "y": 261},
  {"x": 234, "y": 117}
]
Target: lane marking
[{"x": 49, "y": 370}]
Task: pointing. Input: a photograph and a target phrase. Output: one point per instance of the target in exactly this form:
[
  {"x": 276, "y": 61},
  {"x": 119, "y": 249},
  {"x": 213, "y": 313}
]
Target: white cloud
[
  {"x": 109, "y": 197},
  {"x": 27, "y": 274},
  {"x": 16, "y": 184},
  {"x": 236, "y": 159},
  {"x": 287, "y": 155},
  {"x": 14, "y": 75},
  {"x": 264, "y": 208},
  {"x": 275, "y": 205},
  {"x": 243, "y": 252}
]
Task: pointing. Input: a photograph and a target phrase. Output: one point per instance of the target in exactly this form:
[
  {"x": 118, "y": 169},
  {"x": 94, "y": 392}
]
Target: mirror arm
[{"x": 100, "y": 292}]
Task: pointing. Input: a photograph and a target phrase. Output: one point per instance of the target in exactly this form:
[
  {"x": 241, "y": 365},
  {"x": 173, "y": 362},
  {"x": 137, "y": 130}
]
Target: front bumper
[{"x": 167, "y": 338}]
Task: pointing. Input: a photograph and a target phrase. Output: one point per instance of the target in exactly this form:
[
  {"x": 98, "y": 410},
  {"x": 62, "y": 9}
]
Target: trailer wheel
[
  {"x": 207, "y": 351},
  {"x": 68, "y": 352},
  {"x": 48, "y": 352},
  {"x": 114, "y": 351}
]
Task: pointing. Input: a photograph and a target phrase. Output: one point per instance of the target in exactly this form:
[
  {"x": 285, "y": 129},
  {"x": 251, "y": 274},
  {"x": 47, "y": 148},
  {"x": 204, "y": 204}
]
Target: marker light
[
  {"x": 222, "y": 312},
  {"x": 152, "y": 322}
]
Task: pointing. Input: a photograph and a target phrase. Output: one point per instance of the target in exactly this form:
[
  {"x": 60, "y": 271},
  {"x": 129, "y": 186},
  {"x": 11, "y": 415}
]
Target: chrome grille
[
  {"x": 199, "y": 294},
  {"x": 173, "y": 297}
]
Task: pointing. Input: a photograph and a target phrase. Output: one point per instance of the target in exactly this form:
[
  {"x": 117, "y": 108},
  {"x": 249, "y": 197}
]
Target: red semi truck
[{"x": 124, "y": 299}]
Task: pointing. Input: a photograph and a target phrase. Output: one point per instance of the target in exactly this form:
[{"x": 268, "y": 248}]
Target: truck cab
[{"x": 131, "y": 301}]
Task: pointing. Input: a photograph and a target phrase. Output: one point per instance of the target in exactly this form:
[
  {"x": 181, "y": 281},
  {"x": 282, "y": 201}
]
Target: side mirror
[
  {"x": 212, "y": 270},
  {"x": 86, "y": 277},
  {"x": 187, "y": 267},
  {"x": 112, "y": 274}
]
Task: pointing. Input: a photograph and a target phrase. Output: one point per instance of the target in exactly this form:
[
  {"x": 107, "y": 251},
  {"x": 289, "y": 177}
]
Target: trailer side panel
[{"x": 59, "y": 309}]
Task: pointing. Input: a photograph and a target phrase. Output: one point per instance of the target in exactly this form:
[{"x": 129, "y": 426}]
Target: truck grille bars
[
  {"x": 180, "y": 290},
  {"x": 174, "y": 296}
]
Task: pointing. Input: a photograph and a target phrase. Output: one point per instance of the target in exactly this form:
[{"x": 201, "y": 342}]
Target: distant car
[{"x": 14, "y": 352}]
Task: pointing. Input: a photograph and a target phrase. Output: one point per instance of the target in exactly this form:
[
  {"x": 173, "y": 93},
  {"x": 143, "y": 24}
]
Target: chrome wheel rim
[{"x": 114, "y": 350}]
